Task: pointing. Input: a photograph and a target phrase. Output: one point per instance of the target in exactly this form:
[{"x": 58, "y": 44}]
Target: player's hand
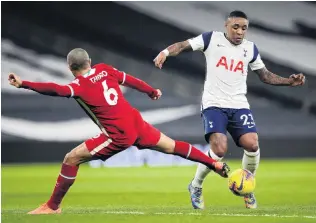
[
  {"x": 15, "y": 80},
  {"x": 155, "y": 95},
  {"x": 222, "y": 169},
  {"x": 297, "y": 79},
  {"x": 160, "y": 59}
]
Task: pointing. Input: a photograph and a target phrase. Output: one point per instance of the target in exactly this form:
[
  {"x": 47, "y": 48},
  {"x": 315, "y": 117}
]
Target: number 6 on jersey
[{"x": 108, "y": 92}]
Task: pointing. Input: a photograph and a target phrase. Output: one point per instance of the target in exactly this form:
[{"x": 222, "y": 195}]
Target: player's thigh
[
  {"x": 148, "y": 136},
  {"x": 241, "y": 123},
  {"x": 215, "y": 121},
  {"x": 249, "y": 141},
  {"x": 102, "y": 147}
]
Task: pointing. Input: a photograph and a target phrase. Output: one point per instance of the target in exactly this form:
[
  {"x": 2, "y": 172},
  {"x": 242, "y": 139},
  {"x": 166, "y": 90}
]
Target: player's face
[{"x": 236, "y": 29}]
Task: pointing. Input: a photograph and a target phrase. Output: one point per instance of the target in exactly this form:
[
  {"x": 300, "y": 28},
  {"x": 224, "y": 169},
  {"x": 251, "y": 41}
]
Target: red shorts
[{"x": 103, "y": 147}]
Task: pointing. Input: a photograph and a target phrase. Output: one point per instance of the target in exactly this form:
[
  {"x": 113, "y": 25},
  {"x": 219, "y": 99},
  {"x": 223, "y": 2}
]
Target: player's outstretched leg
[
  {"x": 65, "y": 179},
  {"x": 187, "y": 151},
  {"x": 250, "y": 161}
]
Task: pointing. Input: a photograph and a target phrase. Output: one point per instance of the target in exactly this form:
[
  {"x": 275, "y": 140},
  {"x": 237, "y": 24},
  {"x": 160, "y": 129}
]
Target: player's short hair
[
  {"x": 237, "y": 14},
  {"x": 78, "y": 59}
]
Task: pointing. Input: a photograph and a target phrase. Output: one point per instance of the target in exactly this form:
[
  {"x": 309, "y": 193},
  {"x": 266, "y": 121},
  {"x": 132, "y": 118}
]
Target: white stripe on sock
[
  {"x": 190, "y": 148},
  {"x": 70, "y": 178}
]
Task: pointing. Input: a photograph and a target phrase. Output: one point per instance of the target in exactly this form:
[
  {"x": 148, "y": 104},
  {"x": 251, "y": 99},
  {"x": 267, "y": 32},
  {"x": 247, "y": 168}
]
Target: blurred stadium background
[
  {"x": 40, "y": 130},
  {"x": 128, "y": 35}
]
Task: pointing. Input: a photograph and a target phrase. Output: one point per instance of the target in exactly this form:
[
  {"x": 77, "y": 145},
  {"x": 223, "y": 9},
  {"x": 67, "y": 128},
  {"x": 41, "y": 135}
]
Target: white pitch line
[
  {"x": 213, "y": 214},
  {"x": 189, "y": 213},
  {"x": 263, "y": 215},
  {"x": 125, "y": 212}
]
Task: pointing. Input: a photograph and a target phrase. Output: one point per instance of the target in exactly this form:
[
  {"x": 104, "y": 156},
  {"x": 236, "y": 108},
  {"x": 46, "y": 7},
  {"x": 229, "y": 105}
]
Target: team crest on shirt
[{"x": 245, "y": 52}]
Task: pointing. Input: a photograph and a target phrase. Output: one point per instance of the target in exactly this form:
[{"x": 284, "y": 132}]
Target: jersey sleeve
[
  {"x": 201, "y": 42},
  {"x": 256, "y": 63},
  {"x": 51, "y": 89},
  {"x": 133, "y": 82},
  {"x": 121, "y": 75},
  {"x": 75, "y": 88}
]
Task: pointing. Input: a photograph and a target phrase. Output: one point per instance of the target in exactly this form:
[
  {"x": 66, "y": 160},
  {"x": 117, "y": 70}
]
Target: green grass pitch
[{"x": 286, "y": 192}]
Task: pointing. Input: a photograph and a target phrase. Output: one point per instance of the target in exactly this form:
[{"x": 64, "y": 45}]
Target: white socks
[
  {"x": 202, "y": 171},
  {"x": 250, "y": 161}
]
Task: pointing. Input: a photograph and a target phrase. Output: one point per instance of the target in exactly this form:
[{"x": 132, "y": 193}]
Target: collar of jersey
[{"x": 87, "y": 73}]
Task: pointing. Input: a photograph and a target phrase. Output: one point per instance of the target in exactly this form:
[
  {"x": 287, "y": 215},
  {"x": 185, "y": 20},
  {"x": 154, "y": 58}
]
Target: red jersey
[{"x": 99, "y": 94}]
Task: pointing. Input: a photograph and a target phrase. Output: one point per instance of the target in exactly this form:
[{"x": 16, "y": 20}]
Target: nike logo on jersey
[{"x": 220, "y": 45}]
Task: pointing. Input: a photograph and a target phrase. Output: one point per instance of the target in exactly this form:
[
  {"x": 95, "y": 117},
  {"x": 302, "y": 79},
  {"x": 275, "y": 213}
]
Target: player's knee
[
  {"x": 71, "y": 159},
  {"x": 252, "y": 146},
  {"x": 249, "y": 142},
  {"x": 219, "y": 147}
]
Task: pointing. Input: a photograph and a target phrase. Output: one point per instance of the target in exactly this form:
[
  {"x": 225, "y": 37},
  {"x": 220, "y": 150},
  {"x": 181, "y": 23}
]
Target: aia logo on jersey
[{"x": 231, "y": 65}]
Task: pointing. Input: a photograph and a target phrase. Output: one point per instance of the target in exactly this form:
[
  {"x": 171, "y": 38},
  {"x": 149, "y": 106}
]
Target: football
[{"x": 241, "y": 182}]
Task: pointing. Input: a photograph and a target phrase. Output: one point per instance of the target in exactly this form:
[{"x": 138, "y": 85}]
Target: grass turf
[{"x": 285, "y": 192}]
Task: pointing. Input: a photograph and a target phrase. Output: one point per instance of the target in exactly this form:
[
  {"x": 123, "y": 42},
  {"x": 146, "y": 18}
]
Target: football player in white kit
[{"x": 224, "y": 103}]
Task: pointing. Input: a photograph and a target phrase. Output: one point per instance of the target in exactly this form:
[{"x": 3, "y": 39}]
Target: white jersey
[{"x": 226, "y": 69}]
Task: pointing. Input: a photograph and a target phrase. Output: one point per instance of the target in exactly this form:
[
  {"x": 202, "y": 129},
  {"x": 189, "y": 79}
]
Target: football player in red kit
[{"x": 97, "y": 91}]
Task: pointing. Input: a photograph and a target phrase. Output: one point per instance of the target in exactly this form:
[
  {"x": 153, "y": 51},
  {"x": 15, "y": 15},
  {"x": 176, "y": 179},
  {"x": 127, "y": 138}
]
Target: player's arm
[
  {"x": 172, "y": 50},
  {"x": 140, "y": 85},
  {"x": 176, "y": 48},
  {"x": 200, "y": 42},
  {"x": 135, "y": 83},
  {"x": 268, "y": 77},
  {"x": 51, "y": 89}
]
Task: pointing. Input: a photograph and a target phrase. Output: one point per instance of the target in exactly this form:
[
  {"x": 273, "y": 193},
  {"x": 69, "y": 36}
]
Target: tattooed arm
[
  {"x": 270, "y": 78},
  {"x": 172, "y": 50},
  {"x": 177, "y": 48}
]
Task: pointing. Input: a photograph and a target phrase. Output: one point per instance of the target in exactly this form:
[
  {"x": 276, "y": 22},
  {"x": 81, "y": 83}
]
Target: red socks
[
  {"x": 189, "y": 152},
  {"x": 65, "y": 179}
]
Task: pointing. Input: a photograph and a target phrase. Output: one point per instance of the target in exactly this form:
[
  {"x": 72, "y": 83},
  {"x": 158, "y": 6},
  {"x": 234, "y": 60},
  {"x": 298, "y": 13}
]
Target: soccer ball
[{"x": 241, "y": 182}]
